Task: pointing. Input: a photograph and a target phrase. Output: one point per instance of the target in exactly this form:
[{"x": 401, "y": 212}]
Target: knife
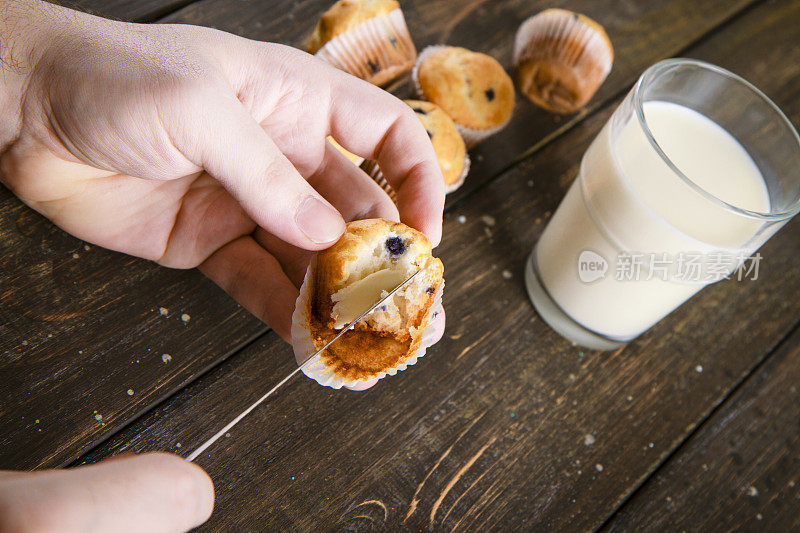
[{"x": 200, "y": 449}]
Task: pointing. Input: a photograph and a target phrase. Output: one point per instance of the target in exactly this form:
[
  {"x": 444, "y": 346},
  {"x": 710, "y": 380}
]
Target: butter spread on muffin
[
  {"x": 367, "y": 38},
  {"x": 472, "y": 88},
  {"x": 368, "y": 261},
  {"x": 561, "y": 59}
]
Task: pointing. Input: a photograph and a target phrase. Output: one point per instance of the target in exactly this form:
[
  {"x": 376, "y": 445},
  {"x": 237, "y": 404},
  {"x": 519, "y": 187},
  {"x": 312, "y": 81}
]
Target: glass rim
[{"x": 659, "y": 68}]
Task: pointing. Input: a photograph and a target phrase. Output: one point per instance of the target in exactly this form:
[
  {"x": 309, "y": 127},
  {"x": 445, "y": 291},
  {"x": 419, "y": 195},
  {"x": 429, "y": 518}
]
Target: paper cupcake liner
[
  {"x": 304, "y": 346},
  {"x": 374, "y": 171},
  {"x": 460, "y": 181},
  {"x": 560, "y": 36},
  {"x": 471, "y": 136},
  {"x": 378, "y": 50},
  {"x": 551, "y": 29}
]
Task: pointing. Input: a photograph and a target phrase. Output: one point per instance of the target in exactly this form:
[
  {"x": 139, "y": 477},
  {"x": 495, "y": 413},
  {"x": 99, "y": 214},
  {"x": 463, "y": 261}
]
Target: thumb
[
  {"x": 236, "y": 151},
  {"x": 155, "y": 492}
]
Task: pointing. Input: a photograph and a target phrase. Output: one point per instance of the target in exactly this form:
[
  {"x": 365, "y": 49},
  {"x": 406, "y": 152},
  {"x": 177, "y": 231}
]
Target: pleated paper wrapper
[
  {"x": 304, "y": 346},
  {"x": 374, "y": 171},
  {"x": 378, "y": 50}
]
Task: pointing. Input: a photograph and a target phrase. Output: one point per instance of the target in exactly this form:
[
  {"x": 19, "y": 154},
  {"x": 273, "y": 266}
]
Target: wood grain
[
  {"x": 741, "y": 469},
  {"x": 128, "y": 10},
  {"x": 81, "y": 326},
  {"x": 503, "y": 425},
  {"x": 102, "y": 308},
  {"x": 641, "y": 32}
]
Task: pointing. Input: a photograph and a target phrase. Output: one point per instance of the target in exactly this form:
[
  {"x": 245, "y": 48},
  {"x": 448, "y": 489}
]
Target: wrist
[{"x": 24, "y": 29}]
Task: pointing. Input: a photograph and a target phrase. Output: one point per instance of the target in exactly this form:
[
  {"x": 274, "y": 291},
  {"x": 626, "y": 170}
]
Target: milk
[{"x": 627, "y": 199}]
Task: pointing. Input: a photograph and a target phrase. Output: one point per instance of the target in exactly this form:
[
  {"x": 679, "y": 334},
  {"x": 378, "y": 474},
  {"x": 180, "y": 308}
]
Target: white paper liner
[
  {"x": 317, "y": 370},
  {"x": 544, "y": 35},
  {"x": 352, "y": 50},
  {"x": 374, "y": 171},
  {"x": 460, "y": 181},
  {"x": 558, "y": 36},
  {"x": 471, "y": 136}
]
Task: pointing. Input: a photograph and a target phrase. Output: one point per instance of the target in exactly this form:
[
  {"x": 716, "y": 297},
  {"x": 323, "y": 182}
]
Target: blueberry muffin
[
  {"x": 561, "y": 59},
  {"x": 368, "y": 261},
  {"x": 472, "y": 88},
  {"x": 367, "y": 38},
  {"x": 447, "y": 142}
]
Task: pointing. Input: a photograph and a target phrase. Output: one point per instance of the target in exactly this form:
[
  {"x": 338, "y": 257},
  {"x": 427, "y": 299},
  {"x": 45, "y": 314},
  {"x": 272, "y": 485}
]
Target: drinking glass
[{"x": 693, "y": 172}]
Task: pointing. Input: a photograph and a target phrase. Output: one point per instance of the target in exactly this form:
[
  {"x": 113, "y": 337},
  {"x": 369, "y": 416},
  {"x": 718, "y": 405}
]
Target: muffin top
[
  {"x": 447, "y": 142},
  {"x": 471, "y": 87},
  {"x": 369, "y": 260},
  {"x": 345, "y": 14}
]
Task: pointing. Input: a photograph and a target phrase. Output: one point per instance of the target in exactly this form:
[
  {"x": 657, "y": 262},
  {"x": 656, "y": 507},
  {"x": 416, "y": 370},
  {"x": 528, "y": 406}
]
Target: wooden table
[{"x": 503, "y": 425}]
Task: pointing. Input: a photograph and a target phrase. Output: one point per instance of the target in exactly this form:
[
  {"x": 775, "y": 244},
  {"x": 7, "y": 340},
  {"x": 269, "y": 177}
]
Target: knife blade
[{"x": 200, "y": 449}]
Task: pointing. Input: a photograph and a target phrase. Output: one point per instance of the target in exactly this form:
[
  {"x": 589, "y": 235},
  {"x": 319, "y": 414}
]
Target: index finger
[{"x": 374, "y": 124}]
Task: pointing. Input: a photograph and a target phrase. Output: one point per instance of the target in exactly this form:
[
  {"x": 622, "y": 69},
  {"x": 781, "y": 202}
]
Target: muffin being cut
[
  {"x": 367, "y": 38},
  {"x": 371, "y": 259},
  {"x": 472, "y": 88}
]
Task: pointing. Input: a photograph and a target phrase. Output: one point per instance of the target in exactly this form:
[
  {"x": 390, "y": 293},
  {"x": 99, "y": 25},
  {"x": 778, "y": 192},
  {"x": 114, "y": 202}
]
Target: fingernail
[{"x": 318, "y": 221}]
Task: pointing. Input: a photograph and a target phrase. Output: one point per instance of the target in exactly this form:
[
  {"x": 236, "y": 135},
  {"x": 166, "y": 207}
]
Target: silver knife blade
[{"x": 200, "y": 449}]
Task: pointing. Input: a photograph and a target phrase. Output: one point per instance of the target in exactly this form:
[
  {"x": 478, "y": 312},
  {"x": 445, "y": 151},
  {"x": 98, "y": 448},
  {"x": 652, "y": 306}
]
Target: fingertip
[
  {"x": 204, "y": 492},
  {"x": 187, "y": 485},
  {"x": 320, "y": 222},
  {"x": 435, "y": 235},
  {"x": 420, "y": 202}
]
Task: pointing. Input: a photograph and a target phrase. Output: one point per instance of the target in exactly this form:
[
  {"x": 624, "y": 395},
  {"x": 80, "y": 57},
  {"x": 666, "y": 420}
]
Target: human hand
[
  {"x": 193, "y": 147},
  {"x": 152, "y": 492}
]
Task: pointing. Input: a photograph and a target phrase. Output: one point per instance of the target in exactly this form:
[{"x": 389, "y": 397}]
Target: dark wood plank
[
  {"x": 80, "y": 326},
  {"x": 504, "y": 424},
  {"x": 741, "y": 470},
  {"x": 642, "y": 33},
  {"x": 129, "y": 10},
  {"x": 86, "y": 365}
]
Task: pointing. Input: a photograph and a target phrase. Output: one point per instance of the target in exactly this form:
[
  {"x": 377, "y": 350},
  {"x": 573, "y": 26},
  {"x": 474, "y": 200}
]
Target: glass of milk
[{"x": 693, "y": 172}]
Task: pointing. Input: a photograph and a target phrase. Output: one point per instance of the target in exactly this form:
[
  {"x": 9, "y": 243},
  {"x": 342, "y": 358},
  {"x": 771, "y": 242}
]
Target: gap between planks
[
  {"x": 78, "y": 458},
  {"x": 589, "y": 112},
  {"x": 530, "y": 152},
  {"x": 704, "y": 421}
]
